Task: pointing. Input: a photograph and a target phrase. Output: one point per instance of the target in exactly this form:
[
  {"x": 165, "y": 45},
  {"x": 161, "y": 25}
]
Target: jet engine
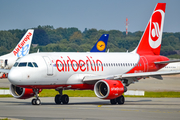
[
  {"x": 21, "y": 93},
  {"x": 109, "y": 89}
]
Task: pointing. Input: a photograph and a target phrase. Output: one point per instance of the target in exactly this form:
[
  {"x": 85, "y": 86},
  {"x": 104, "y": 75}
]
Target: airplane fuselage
[
  {"x": 63, "y": 69},
  {"x": 9, "y": 59}
]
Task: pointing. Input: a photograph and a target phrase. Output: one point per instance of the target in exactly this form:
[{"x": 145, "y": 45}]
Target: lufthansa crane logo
[{"x": 101, "y": 45}]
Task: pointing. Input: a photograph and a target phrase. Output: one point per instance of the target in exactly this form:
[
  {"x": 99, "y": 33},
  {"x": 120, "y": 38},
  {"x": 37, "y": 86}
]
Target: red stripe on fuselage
[{"x": 75, "y": 86}]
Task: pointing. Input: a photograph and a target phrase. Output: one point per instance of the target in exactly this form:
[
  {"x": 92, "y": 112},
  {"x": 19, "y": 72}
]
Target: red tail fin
[{"x": 150, "y": 42}]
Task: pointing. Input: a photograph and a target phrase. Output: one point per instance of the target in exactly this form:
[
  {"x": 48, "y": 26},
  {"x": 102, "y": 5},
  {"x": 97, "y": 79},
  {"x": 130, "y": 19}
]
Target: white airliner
[
  {"x": 108, "y": 74},
  {"x": 22, "y": 49}
]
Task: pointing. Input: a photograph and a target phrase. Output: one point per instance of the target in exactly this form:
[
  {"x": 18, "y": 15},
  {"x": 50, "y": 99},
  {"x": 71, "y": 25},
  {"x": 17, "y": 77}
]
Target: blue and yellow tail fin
[{"x": 101, "y": 44}]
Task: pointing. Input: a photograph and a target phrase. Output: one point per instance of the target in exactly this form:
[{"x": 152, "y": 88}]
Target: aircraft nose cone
[{"x": 15, "y": 77}]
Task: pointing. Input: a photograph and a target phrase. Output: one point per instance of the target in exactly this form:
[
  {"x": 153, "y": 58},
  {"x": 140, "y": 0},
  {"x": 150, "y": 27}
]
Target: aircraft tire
[
  {"x": 65, "y": 99},
  {"x": 57, "y": 99},
  {"x": 113, "y": 101},
  {"x": 38, "y": 102},
  {"x": 33, "y": 102},
  {"x": 120, "y": 100}
]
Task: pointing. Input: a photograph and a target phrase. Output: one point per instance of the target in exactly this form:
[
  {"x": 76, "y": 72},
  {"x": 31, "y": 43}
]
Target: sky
[{"x": 98, "y": 14}]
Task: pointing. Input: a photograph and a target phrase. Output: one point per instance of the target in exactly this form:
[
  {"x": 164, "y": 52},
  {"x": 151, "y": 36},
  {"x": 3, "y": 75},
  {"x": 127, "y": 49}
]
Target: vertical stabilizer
[
  {"x": 101, "y": 44},
  {"x": 24, "y": 45},
  {"x": 150, "y": 43}
]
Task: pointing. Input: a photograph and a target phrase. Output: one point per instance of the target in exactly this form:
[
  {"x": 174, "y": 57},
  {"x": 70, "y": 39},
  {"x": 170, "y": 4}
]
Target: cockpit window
[
  {"x": 23, "y": 64},
  {"x": 35, "y": 65},
  {"x": 16, "y": 64},
  {"x": 30, "y": 64}
]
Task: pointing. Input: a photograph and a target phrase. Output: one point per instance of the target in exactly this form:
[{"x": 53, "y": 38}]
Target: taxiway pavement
[{"x": 92, "y": 108}]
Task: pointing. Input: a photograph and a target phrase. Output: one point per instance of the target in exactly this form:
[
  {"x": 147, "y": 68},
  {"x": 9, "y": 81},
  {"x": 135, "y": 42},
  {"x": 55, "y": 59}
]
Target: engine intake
[
  {"x": 109, "y": 89},
  {"x": 21, "y": 93}
]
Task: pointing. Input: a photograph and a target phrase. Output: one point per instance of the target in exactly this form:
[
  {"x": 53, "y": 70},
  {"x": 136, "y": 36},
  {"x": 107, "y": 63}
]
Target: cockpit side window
[
  {"x": 30, "y": 64},
  {"x": 16, "y": 64},
  {"x": 35, "y": 65},
  {"x": 23, "y": 64}
]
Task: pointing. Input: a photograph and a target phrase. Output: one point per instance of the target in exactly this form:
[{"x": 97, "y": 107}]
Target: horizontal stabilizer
[
  {"x": 165, "y": 62},
  {"x": 4, "y": 70}
]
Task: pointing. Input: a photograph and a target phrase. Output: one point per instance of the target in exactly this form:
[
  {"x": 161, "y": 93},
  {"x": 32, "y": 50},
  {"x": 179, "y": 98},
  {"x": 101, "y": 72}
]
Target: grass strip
[
  {"x": 90, "y": 93},
  {"x": 70, "y": 93}
]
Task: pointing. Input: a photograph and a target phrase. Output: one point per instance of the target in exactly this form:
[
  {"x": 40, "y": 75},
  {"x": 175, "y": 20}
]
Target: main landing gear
[
  {"x": 64, "y": 99},
  {"x": 36, "y": 101},
  {"x": 120, "y": 100}
]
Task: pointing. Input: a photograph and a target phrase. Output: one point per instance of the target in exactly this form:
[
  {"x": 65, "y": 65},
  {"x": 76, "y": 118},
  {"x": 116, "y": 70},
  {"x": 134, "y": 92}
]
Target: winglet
[
  {"x": 101, "y": 44},
  {"x": 24, "y": 45}
]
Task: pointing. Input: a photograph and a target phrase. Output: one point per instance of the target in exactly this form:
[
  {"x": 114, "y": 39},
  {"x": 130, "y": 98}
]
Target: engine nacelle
[
  {"x": 21, "y": 93},
  {"x": 109, "y": 89}
]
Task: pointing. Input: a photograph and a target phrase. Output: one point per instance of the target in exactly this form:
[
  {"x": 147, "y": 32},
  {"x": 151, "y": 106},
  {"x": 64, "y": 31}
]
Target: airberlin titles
[
  {"x": 20, "y": 45},
  {"x": 64, "y": 65}
]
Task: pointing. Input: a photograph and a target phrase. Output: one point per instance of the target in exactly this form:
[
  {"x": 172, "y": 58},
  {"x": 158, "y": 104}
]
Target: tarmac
[{"x": 92, "y": 108}]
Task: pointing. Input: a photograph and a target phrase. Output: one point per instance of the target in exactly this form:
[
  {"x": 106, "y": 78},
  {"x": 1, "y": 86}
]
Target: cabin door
[{"x": 49, "y": 65}]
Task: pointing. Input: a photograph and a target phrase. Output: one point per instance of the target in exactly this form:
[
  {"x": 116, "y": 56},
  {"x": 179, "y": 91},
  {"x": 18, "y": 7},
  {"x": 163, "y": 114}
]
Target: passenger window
[
  {"x": 23, "y": 64},
  {"x": 16, "y": 64},
  {"x": 35, "y": 65},
  {"x": 30, "y": 64}
]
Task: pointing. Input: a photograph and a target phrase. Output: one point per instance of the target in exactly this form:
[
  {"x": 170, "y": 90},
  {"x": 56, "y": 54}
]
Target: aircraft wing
[
  {"x": 4, "y": 70},
  {"x": 131, "y": 77}
]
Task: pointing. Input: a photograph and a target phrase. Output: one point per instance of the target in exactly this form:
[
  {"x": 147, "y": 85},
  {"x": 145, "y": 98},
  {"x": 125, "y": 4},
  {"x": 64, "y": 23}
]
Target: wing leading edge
[{"x": 131, "y": 77}]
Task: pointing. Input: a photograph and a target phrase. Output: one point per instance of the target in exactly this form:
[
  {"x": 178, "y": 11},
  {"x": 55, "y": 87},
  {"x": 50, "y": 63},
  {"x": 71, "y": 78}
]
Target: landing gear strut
[
  {"x": 36, "y": 101},
  {"x": 120, "y": 100},
  {"x": 64, "y": 99}
]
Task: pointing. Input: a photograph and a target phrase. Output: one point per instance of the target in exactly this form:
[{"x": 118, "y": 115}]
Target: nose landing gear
[{"x": 36, "y": 101}]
